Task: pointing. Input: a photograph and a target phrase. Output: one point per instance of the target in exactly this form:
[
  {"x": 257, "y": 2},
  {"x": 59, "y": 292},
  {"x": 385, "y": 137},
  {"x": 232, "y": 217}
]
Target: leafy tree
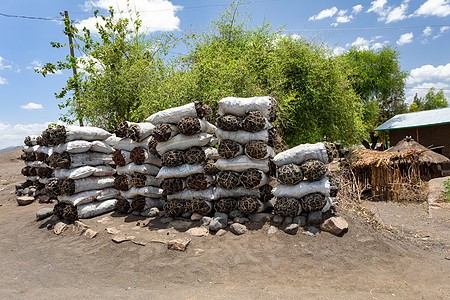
[
  {"x": 432, "y": 100},
  {"x": 115, "y": 69},
  {"x": 377, "y": 78}
]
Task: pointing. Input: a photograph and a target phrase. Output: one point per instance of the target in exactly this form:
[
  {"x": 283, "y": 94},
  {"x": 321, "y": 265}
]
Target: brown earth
[{"x": 397, "y": 262}]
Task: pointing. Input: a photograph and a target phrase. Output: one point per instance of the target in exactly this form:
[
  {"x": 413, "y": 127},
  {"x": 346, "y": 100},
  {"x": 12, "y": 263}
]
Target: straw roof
[
  {"x": 361, "y": 158},
  {"x": 428, "y": 157}
]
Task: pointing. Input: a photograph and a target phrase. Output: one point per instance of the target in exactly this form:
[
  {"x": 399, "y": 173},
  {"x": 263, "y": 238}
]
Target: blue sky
[{"x": 420, "y": 30}]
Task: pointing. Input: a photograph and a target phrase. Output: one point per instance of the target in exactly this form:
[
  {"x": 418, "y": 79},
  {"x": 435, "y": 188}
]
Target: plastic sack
[
  {"x": 301, "y": 153},
  {"x": 96, "y": 208},
  {"x": 302, "y": 189}
]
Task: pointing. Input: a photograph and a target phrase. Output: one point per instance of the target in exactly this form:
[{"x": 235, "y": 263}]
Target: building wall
[{"x": 436, "y": 135}]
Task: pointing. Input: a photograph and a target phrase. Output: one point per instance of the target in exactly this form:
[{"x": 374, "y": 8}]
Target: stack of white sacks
[
  {"x": 83, "y": 176},
  {"x": 182, "y": 138},
  {"x": 304, "y": 185},
  {"x": 136, "y": 169},
  {"x": 36, "y": 170},
  {"x": 243, "y": 132}
]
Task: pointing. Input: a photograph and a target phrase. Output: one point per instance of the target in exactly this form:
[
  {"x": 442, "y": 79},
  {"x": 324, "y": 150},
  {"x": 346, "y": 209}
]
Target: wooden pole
[
  {"x": 417, "y": 134},
  {"x": 75, "y": 76}
]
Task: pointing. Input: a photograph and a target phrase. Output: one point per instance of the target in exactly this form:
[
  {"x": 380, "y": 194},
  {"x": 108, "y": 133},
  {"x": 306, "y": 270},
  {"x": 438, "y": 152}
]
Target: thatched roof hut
[{"x": 385, "y": 173}]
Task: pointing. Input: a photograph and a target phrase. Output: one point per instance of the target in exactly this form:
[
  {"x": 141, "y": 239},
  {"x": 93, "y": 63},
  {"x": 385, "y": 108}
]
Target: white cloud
[
  {"x": 156, "y": 15},
  {"x": 32, "y": 106},
  {"x": 378, "y": 7},
  {"x": 398, "y": 13},
  {"x": 422, "y": 89},
  {"x": 338, "y": 50},
  {"x": 428, "y": 73},
  {"x": 427, "y": 31},
  {"x": 326, "y": 13},
  {"x": 405, "y": 39},
  {"x": 364, "y": 44},
  {"x": 357, "y": 9},
  {"x": 13, "y": 135},
  {"x": 438, "y": 8},
  {"x": 2, "y": 64},
  {"x": 3, "y": 80},
  {"x": 441, "y": 31}
]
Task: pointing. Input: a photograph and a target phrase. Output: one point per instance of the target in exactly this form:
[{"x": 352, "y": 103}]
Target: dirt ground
[{"x": 409, "y": 259}]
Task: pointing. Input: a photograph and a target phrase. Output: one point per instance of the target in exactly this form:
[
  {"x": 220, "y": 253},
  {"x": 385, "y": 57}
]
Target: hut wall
[{"x": 436, "y": 135}]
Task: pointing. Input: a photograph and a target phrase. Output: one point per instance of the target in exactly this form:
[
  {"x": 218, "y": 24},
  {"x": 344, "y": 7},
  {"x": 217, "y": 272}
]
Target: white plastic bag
[
  {"x": 76, "y": 146},
  {"x": 90, "y": 159},
  {"x": 147, "y": 191},
  {"x": 188, "y": 194},
  {"x": 237, "y": 192},
  {"x": 183, "y": 142},
  {"x": 133, "y": 168},
  {"x": 86, "y": 133},
  {"x": 75, "y": 173},
  {"x": 302, "y": 189},
  {"x": 239, "y": 106},
  {"x": 108, "y": 193},
  {"x": 93, "y": 183},
  {"x": 183, "y": 170},
  {"x": 173, "y": 115},
  {"x": 129, "y": 144},
  {"x": 301, "y": 153},
  {"x": 101, "y": 146},
  {"x": 80, "y": 198},
  {"x": 96, "y": 208},
  {"x": 241, "y": 163},
  {"x": 243, "y": 137}
]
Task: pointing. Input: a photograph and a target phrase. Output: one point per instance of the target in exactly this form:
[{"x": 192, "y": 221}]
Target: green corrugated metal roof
[{"x": 417, "y": 119}]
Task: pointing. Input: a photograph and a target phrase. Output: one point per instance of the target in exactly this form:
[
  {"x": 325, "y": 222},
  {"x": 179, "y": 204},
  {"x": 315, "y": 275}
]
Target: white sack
[
  {"x": 36, "y": 164},
  {"x": 241, "y": 163},
  {"x": 133, "y": 168},
  {"x": 28, "y": 149},
  {"x": 301, "y": 153},
  {"x": 147, "y": 191},
  {"x": 183, "y": 142},
  {"x": 90, "y": 159},
  {"x": 183, "y": 170},
  {"x": 145, "y": 129},
  {"x": 75, "y": 173},
  {"x": 108, "y": 193},
  {"x": 77, "y": 146},
  {"x": 327, "y": 206},
  {"x": 43, "y": 149},
  {"x": 80, "y": 198},
  {"x": 173, "y": 115},
  {"x": 243, "y": 137},
  {"x": 188, "y": 194},
  {"x": 237, "y": 192},
  {"x": 46, "y": 180},
  {"x": 32, "y": 178},
  {"x": 205, "y": 126},
  {"x": 302, "y": 189},
  {"x": 211, "y": 153},
  {"x": 113, "y": 140},
  {"x": 129, "y": 144},
  {"x": 239, "y": 106},
  {"x": 96, "y": 208},
  {"x": 102, "y": 170},
  {"x": 101, "y": 146},
  {"x": 86, "y": 133},
  {"x": 93, "y": 183}
]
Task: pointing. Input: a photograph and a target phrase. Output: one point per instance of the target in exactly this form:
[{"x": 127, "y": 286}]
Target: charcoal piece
[
  {"x": 314, "y": 170},
  {"x": 313, "y": 202},
  {"x": 275, "y": 141},
  {"x": 118, "y": 158},
  {"x": 174, "y": 208},
  {"x": 52, "y": 188},
  {"x": 138, "y": 203},
  {"x": 194, "y": 156},
  {"x": 172, "y": 185},
  {"x": 121, "y": 183},
  {"x": 45, "y": 172},
  {"x": 209, "y": 167},
  {"x": 290, "y": 174},
  {"x": 229, "y": 123},
  {"x": 256, "y": 149},
  {"x": 251, "y": 178},
  {"x": 138, "y": 180},
  {"x": 197, "y": 182},
  {"x": 266, "y": 193},
  {"x": 228, "y": 149},
  {"x": 203, "y": 110},
  {"x": 189, "y": 126},
  {"x": 121, "y": 129},
  {"x": 199, "y": 206},
  {"x": 228, "y": 179},
  {"x": 225, "y": 205},
  {"x": 163, "y": 132},
  {"x": 122, "y": 206},
  {"x": 254, "y": 121},
  {"x": 137, "y": 155},
  {"x": 67, "y": 187},
  {"x": 172, "y": 158},
  {"x": 287, "y": 207},
  {"x": 248, "y": 205}
]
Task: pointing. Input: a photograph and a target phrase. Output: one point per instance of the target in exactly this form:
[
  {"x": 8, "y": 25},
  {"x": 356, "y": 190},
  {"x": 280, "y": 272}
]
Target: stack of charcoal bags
[
  {"x": 246, "y": 146},
  {"x": 305, "y": 186},
  {"x": 36, "y": 170},
  {"x": 183, "y": 138},
  {"x": 136, "y": 169},
  {"x": 83, "y": 183}
]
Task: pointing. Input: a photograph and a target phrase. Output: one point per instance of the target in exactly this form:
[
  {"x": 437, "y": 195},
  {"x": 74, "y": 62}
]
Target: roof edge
[{"x": 434, "y": 124}]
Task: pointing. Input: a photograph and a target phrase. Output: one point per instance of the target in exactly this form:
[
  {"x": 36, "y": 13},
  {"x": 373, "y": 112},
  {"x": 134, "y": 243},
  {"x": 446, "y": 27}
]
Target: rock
[
  {"x": 314, "y": 230},
  {"x": 235, "y": 214},
  {"x": 26, "y": 191},
  {"x": 179, "y": 244},
  {"x": 145, "y": 212},
  {"x": 196, "y": 217},
  {"x": 219, "y": 221},
  {"x": 140, "y": 243},
  {"x": 334, "y": 225},
  {"x": 24, "y": 200},
  {"x": 150, "y": 212},
  {"x": 288, "y": 220},
  {"x": 272, "y": 230},
  {"x": 90, "y": 233},
  {"x": 135, "y": 228},
  {"x": 162, "y": 213},
  {"x": 260, "y": 217},
  {"x": 112, "y": 230},
  {"x": 79, "y": 227},
  {"x": 221, "y": 232},
  {"x": 181, "y": 225},
  {"x": 44, "y": 212},
  {"x": 198, "y": 251},
  {"x": 122, "y": 238},
  {"x": 278, "y": 219},
  {"x": 204, "y": 221},
  {"x": 44, "y": 199},
  {"x": 136, "y": 213},
  {"x": 300, "y": 220},
  {"x": 166, "y": 220},
  {"x": 315, "y": 218},
  {"x": 186, "y": 215},
  {"x": 291, "y": 229},
  {"x": 198, "y": 231},
  {"x": 238, "y": 229},
  {"x": 241, "y": 220},
  {"x": 59, "y": 228}
]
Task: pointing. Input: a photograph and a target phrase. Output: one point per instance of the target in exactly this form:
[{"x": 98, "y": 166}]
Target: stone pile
[
  {"x": 136, "y": 169},
  {"x": 183, "y": 138}
]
